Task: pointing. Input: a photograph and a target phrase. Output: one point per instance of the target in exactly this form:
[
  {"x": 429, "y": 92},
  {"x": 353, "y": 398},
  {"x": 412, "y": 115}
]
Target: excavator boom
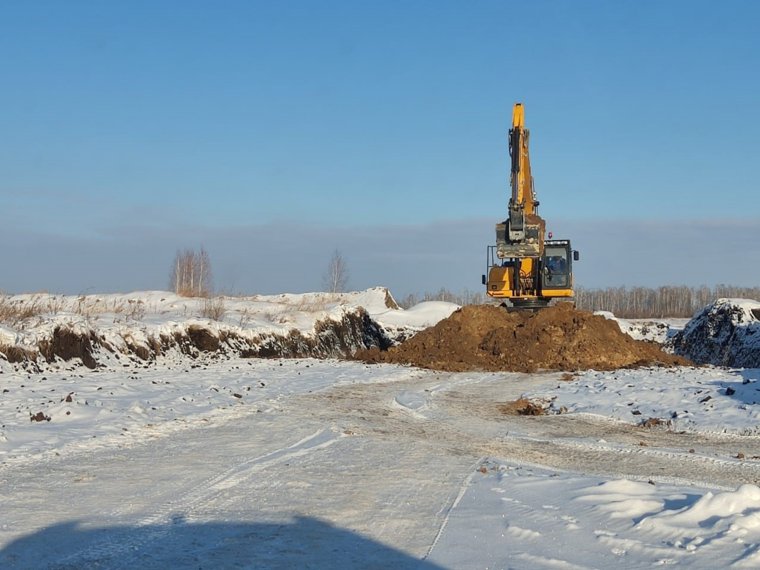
[{"x": 521, "y": 181}]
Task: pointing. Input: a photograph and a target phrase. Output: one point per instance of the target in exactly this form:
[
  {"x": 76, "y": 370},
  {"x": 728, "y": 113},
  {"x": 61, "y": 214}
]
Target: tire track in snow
[
  {"x": 449, "y": 507},
  {"x": 463, "y": 417},
  {"x": 723, "y": 463}
]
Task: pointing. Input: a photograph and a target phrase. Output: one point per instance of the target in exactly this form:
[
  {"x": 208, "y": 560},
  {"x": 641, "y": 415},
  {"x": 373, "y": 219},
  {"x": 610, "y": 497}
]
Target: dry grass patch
[
  {"x": 15, "y": 311},
  {"x": 91, "y": 307},
  {"x": 650, "y": 423},
  {"x": 523, "y": 407},
  {"x": 312, "y": 304}
]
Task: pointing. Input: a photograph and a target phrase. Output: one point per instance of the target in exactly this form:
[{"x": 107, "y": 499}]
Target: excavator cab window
[{"x": 556, "y": 272}]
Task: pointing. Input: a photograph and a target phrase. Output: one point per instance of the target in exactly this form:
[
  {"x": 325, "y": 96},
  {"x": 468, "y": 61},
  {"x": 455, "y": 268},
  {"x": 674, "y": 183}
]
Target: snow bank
[
  {"x": 422, "y": 315},
  {"x": 724, "y": 333},
  {"x": 651, "y": 330},
  {"x": 518, "y": 516},
  {"x": 96, "y": 329}
]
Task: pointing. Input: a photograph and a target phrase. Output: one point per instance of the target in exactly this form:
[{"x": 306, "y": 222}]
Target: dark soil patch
[
  {"x": 332, "y": 339},
  {"x": 655, "y": 422},
  {"x": 67, "y": 344},
  {"x": 39, "y": 417},
  {"x": 522, "y": 407},
  {"x": 203, "y": 339},
  {"x": 17, "y": 354},
  {"x": 488, "y": 338}
]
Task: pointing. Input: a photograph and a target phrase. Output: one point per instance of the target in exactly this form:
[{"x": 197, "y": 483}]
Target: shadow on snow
[
  {"x": 304, "y": 542},
  {"x": 747, "y": 391}
]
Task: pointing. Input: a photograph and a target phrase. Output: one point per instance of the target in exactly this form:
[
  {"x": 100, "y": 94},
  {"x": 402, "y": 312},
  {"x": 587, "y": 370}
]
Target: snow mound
[
  {"x": 420, "y": 316},
  {"x": 724, "y": 333},
  {"x": 143, "y": 326},
  {"x": 713, "y": 522},
  {"x": 518, "y": 516},
  {"x": 658, "y": 331},
  {"x": 720, "y": 520}
]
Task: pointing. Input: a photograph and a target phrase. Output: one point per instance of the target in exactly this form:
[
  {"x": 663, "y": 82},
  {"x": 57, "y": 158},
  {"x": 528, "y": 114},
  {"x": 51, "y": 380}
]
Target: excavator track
[{"x": 531, "y": 304}]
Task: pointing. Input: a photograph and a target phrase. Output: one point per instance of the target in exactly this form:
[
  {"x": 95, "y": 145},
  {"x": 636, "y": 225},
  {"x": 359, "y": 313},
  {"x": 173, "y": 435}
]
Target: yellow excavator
[{"x": 526, "y": 270}]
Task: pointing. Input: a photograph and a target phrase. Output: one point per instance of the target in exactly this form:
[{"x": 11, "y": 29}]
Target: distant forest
[{"x": 631, "y": 303}]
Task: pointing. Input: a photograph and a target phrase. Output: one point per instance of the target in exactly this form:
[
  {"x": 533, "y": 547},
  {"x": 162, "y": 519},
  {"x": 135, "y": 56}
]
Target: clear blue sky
[{"x": 131, "y": 129}]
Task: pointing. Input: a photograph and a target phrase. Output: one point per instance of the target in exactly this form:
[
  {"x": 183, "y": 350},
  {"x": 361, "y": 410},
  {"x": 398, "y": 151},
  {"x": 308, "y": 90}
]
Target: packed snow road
[{"x": 342, "y": 465}]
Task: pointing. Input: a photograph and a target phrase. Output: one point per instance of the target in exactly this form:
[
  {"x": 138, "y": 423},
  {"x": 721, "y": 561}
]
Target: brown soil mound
[{"x": 485, "y": 337}]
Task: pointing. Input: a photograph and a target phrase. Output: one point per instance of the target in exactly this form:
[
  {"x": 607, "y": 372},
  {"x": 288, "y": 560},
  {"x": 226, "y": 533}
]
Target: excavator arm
[{"x": 522, "y": 233}]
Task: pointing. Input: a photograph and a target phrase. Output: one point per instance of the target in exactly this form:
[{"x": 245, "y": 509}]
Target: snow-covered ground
[
  {"x": 658, "y": 331},
  {"x": 706, "y": 400},
  {"x": 217, "y": 461}
]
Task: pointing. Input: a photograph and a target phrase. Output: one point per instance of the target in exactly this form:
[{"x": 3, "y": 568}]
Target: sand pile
[{"x": 485, "y": 337}]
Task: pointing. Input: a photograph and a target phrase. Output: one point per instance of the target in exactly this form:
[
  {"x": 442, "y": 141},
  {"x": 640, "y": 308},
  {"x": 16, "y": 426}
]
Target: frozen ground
[
  {"x": 324, "y": 462},
  {"x": 246, "y": 463}
]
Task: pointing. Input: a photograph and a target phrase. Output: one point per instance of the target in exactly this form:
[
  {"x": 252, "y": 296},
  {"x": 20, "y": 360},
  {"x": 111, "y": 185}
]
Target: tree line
[
  {"x": 666, "y": 301},
  {"x": 625, "y": 302}
]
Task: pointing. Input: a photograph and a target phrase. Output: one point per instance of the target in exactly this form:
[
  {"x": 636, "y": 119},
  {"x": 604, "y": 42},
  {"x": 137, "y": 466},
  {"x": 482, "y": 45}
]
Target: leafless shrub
[
  {"x": 90, "y": 307},
  {"x": 135, "y": 309},
  {"x": 191, "y": 273},
  {"x": 245, "y": 319},
  {"x": 85, "y": 308},
  {"x": 213, "y": 308},
  {"x": 54, "y": 305}
]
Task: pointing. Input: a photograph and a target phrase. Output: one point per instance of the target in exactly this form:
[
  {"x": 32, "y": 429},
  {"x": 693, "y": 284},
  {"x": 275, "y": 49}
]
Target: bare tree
[
  {"x": 191, "y": 273},
  {"x": 336, "y": 276}
]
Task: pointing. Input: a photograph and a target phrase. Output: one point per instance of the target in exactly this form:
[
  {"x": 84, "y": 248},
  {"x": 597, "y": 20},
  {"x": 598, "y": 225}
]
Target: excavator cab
[
  {"x": 556, "y": 265},
  {"x": 532, "y": 282}
]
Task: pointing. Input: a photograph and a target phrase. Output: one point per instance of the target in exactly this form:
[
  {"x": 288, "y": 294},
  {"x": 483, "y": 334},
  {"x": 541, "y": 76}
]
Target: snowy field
[{"x": 219, "y": 461}]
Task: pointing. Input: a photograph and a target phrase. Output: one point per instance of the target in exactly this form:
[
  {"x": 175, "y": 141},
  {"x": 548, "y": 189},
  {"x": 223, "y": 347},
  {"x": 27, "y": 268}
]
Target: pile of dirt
[{"x": 486, "y": 337}]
